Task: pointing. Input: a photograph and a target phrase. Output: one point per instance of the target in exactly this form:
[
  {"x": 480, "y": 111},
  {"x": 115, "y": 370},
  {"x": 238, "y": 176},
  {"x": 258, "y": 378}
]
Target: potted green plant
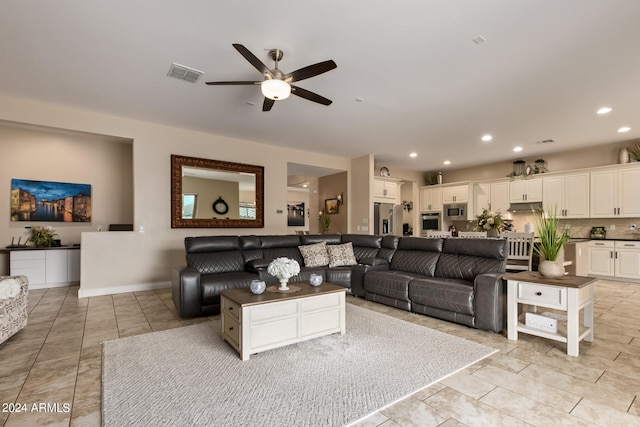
[
  {"x": 550, "y": 245},
  {"x": 325, "y": 222},
  {"x": 41, "y": 236}
]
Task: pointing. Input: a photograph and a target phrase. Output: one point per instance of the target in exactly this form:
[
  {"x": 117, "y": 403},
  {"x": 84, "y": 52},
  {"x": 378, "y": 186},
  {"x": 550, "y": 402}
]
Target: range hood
[{"x": 525, "y": 207}]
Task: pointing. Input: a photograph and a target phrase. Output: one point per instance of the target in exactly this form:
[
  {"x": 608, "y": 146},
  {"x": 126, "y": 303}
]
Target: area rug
[{"x": 190, "y": 377}]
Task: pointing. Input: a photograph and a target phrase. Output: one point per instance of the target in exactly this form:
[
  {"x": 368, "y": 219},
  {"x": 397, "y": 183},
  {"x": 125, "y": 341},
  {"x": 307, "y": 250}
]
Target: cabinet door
[
  {"x": 553, "y": 195},
  {"x": 57, "y": 268},
  {"x": 378, "y": 188},
  {"x": 627, "y": 259},
  {"x": 517, "y": 191},
  {"x": 628, "y": 194},
  {"x": 459, "y": 194},
  {"x": 603, "y": 193},
  {"x": 430, "y": 199},
  {"x": 533, "y": 190},
  {"x": 391, "y": 190},
  {"x": 436, "y": 199},
  {"x": 576, "y": 195},
  {"x": 500, "y": 196},
  {"x": 482, "y": 196},
  {"x": 601, "y": 261}
]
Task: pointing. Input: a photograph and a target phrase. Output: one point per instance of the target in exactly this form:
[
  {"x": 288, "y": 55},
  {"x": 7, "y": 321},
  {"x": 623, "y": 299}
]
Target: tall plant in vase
[{"x": 551, "y": 243}]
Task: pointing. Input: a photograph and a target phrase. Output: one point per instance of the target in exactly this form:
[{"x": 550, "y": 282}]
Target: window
[
  {"x": 189, "y": 202},
  {"x": 247, "y": 210}
]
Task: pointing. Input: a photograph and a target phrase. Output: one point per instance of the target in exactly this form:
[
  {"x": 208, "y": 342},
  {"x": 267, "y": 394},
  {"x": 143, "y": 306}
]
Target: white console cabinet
[{"x": 47, "y": 268}]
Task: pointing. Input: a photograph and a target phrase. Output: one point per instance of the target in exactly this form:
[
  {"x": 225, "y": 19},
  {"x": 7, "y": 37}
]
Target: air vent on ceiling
[
  {"x": 187, "y": 74},
  {"x": 546, "y": 141}
]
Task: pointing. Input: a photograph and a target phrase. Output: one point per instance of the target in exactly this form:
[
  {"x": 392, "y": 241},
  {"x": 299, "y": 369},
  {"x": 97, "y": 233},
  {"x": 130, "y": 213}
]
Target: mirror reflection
[{"x": 213, "y": 193}]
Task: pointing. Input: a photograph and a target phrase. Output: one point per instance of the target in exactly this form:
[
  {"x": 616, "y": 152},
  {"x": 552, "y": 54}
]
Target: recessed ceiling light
[
  {"x": 517, "y": 149},
  {"x": 479, "y": 39},
  {"x": 487, "y": 138},
  {"x": 413, "y": 155},
  {"x": 604, "y": 110},
  {"x": 624, "y": 129},
  {"x": 447, "y": 162},
  {"x": 359, "y": 100}
]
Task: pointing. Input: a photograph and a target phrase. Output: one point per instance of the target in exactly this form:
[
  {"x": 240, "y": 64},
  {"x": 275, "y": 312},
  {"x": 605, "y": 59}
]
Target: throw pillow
[
  {"x": 340, "y": 255},
  {"x": 315, "y": 255}
]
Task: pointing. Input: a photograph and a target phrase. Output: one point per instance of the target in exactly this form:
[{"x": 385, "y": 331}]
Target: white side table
[{"x": 568, "y": 293}]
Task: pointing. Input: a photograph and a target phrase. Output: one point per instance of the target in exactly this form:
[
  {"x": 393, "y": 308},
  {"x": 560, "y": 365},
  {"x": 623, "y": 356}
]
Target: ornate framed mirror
[{"x": 216, "y": 194}]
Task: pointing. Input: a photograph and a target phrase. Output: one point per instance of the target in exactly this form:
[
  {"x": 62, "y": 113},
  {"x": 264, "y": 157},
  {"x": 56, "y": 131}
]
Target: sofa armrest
[
  {"x": 490, "y": 291},
  {"x": 185, "y": 289},
  {"x": 374, "y": 261}
]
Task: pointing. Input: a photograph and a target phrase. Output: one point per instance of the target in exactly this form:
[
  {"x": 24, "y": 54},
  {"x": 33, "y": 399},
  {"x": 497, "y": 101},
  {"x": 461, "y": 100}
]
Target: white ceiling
[{"x": 545, "y": 68}]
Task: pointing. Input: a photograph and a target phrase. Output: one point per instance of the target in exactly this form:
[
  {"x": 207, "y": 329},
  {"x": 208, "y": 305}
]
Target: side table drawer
[{"x": 547, "y": 296}]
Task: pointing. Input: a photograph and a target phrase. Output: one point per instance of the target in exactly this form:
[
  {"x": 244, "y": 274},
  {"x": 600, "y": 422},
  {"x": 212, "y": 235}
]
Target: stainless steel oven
[{"x": 429, "y": 221}]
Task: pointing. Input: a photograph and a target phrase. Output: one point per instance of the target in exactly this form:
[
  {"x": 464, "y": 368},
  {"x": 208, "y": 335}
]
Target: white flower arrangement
[
  {"x": 283, "y": 268},
  {"x": 488, "y": 220}
]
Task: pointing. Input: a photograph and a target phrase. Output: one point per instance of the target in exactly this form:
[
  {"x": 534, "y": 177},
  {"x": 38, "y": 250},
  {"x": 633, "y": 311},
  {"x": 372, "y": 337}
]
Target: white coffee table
[
  {"x": 256, "y": 323},
  {"x": 568, "y": 293}
]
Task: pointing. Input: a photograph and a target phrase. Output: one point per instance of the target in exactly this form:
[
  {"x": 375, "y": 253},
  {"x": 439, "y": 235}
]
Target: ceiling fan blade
[
  {"x": 253, "y": 60},
  {"x": 267, "y": 104},
  {"x": 310, "y": 71},
  {"x": 311, "y": 96},
  {"x": 233, "y": 83}
]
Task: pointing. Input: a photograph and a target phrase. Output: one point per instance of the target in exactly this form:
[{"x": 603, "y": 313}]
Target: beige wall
[
  {"x": 328, "y": 188},
  {"x": 41, "y": 154},
  {"x": 112, "y": 261},
  {"x": 361, "y": 208}
]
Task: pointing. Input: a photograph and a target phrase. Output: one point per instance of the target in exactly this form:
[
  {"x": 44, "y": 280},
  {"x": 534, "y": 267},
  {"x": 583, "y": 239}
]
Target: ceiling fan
[{"x": 276, "y": 85}]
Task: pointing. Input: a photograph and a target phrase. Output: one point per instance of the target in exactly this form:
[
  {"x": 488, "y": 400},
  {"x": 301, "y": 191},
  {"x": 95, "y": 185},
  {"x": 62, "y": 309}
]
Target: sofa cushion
[
  {"x": 218, "y": 262},
  {"x": 446, "y": 294},
  {"x": 465, "y": 260},
  {"x": 391, "y": 284},
  {"x": 212, "y": 284},
  {"x": 341, "y": 255},
  {"x": 315, "y": 255}
]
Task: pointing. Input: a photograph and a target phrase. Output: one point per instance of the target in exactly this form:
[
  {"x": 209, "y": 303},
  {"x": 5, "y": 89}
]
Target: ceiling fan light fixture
[{"x": 275, "y": 89}]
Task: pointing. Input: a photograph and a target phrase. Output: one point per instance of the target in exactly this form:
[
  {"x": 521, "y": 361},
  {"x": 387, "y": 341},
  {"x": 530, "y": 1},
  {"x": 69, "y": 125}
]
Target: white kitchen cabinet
[
  {"x": 614, "y": 193},
  {"x": 568, "y": 194},
  {"x": 601, "y": 258},
  {"x": 457, "y": 194},
  {"x": 430, "y": 198},
  {"x": 493, "y": 196},
  {"x": 386, "y": 190},
  {"x": 525, "y": 190},
  {"x": 614, "y": 259},
  {"x": 47, "y": 267},
  {"x": 627, "y": 259}
]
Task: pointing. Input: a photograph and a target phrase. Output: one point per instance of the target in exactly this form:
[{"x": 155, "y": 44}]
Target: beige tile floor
[{"x": 56, "y": 360}]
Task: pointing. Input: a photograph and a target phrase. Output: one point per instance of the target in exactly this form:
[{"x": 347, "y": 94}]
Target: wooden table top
[
  {"x": 243, "y": 296},
  {"x": 567, "y": 281}
]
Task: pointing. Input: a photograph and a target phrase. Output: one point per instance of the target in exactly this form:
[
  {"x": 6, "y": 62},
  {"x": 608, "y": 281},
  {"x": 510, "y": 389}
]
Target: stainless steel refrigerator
[{"x": 387, "y": 219}]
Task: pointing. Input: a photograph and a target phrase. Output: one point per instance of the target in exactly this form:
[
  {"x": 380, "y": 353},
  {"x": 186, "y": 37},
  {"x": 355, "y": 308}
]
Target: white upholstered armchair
[{"x": 13, "y": 305}]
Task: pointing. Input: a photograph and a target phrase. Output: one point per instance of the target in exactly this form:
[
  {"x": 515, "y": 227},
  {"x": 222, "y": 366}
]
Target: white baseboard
[
  {"x": 139, "y": 287},
  {"x": 52, "y": 285}
]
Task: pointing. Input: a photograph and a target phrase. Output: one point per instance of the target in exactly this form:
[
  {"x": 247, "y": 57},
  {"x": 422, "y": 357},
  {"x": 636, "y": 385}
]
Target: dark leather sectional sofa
[{"x": 455, "y": 279}]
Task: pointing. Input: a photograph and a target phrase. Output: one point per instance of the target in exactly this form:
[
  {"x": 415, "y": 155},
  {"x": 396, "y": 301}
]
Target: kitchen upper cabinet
[
  {"x": 614, "y": 193},
  {"x": 493, "y": 195},
  {"x": 525, "y": 190},
  {"x": 386, "y": 190},
  {"x": 568, "y": 194},
  {"x": 457, "y": 194},
  {"x": 430, "y": 199}
]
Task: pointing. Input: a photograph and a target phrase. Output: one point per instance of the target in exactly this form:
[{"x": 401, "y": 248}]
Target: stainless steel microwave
[{"x": 455, "y": 212}]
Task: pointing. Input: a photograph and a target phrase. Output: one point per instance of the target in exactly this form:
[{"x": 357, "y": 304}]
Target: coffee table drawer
[
  {"x": 319, "y": 303},
  {"x": 230, "y": 308},
  {"x": 547, "y": 296},
  {"x": 232, "y": 331}
]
